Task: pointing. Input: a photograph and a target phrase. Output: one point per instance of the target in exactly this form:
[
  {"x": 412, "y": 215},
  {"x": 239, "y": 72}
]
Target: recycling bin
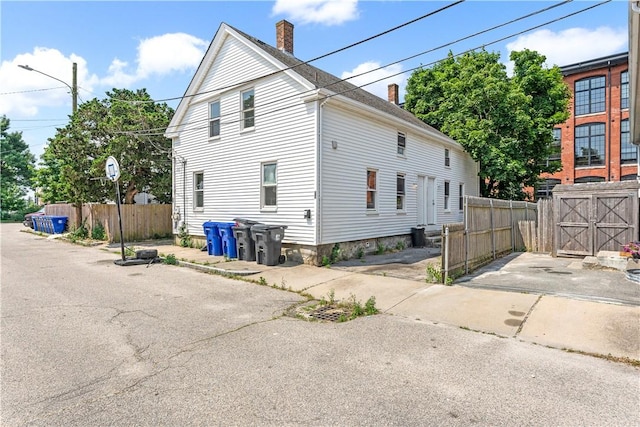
[
  {"x": 244, "y": 242},
  {"x": 268, "y": 243},
  {"x": 229, "y": 248},
  {"x": 214, "y": 241},
  {"x": 35, "y": 220},
  {"x": 58, "y": 223}
]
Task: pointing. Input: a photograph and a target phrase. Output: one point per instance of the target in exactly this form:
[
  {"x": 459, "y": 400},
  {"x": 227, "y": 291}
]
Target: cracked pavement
[{"x": 88, "y": 343}]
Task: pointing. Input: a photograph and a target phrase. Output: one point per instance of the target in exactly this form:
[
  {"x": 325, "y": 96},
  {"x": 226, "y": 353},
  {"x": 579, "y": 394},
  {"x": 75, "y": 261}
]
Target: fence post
[
  {"x": 513, "y": 231},
  {"x": 446, "y": 256},
  {"x": 493, "y": 229},
  {"x": 466, "y": 234}
]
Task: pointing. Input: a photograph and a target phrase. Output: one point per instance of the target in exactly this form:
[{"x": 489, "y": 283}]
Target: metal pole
[{"x": 120, "y": 220}]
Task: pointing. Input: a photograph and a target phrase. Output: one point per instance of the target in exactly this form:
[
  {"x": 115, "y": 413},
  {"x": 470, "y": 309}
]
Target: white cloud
[
  {"x": 382, "y": 77},
  {"x": 573, "y": 45},
  {"x": 326, "y": 12},
  {"x": 160, "y": 55},
  {"x": 170, "y": 52},
  {"x": 24, "y": 92}
]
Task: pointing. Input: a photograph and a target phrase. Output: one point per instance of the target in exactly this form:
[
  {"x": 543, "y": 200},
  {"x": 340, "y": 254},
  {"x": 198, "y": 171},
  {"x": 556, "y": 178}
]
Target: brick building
[{"x": 594, "y": 143}]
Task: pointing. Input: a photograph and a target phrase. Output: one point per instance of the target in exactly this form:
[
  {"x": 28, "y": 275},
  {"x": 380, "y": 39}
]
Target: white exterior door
[{"x": 431, "y": 201}]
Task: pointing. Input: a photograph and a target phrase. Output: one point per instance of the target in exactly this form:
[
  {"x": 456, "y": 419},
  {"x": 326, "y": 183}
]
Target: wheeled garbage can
[
  {"x": 214, "y": 241},
  {"x": 268, "y": 243},
  {"x": 244, "y": 242},
  {"x": 228, "y": 240}
]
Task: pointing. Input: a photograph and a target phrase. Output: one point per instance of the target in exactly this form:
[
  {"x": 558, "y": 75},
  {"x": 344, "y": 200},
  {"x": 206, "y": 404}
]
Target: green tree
[
  {"x": 127, "y": 125},
  {"x": 16, "y": 168},
  {"x": 505, "y": 123}
]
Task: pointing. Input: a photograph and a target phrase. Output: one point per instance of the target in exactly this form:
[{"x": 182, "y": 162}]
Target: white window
[
  {"x": 248, "y": 111},
  {"x": 402, "y": 143},
  {"x": 269, "y": 191},
  {"x": 461, "y": 197},
  {"x": 400, "y": 192},
  {"x": 372, "y": 184},
  {"x": 198, "y": 190},
  {"x": 446, "y": 195},
  {"x": 214, "y": 119},
  {"x": 447, "y": 159}
]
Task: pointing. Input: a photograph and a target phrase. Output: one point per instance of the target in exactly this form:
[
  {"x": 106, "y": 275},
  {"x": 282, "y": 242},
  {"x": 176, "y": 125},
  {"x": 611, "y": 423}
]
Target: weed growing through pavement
[{"x": 170, "y": 259}]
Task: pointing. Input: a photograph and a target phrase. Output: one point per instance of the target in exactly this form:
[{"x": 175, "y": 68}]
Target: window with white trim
[
  {"x": 248, "y": 109},
  {"x": 198, "y": 190},
  {"x": 214, "y": 119},
  {"x": 372, "y": 184},
  {"x": 447, "y": 193},
  {"x": 400, "y": 192},
  {"x": 269, "y": 187},
  {"x": 447, "y": 157},
  {"x": 402, "y": 143}
]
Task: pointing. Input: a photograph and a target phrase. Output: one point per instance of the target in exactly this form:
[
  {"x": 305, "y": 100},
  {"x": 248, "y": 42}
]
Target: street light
[{"x": 74, "y": 89}]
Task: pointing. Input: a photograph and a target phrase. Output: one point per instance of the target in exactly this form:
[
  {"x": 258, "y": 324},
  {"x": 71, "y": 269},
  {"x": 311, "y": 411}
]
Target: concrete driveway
[{"x": 545, "y": 275}]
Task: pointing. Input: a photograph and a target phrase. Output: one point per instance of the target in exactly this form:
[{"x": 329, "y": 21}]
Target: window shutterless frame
[
  {"x": 214, "y": 119},
  {"x": 248, "y": 109},
  {"x": 372, "y": 185},
  {"x": 400, "y": 191},
  {"x": 198, "y": 190},
  {"x": 402, "y": 143},
  {"x": 269, "y": 185}
]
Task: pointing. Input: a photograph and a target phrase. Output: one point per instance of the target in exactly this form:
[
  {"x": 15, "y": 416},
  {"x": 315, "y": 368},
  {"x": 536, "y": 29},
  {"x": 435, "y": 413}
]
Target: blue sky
[{"x": 158, "y": 45}]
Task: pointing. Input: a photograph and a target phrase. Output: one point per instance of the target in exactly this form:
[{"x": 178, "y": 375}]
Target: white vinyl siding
[
  {"x": 286, "y": 132},
  {"x": 365, "y": 143}
]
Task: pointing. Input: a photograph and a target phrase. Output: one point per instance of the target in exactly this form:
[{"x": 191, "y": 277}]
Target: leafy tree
[
  {"x": 16, "y": 168},
  {"x": 504, "y": 123},
  {"x": 127, "y": 125}
]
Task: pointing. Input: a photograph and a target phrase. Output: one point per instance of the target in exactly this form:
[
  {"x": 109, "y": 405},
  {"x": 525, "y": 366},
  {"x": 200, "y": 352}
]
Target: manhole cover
[{"x": 329, "y": 313}]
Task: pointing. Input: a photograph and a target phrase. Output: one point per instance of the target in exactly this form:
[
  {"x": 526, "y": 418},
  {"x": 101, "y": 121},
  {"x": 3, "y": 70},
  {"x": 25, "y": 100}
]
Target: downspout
[
  {"x": 609, "y": 124},
  {"x": 318, "y": 195},
  {"x": 184, "y": 191}
]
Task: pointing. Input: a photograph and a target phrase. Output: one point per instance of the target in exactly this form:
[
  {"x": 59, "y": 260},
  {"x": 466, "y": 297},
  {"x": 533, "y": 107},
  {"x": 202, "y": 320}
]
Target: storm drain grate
[{"x": 329, "y": 313}]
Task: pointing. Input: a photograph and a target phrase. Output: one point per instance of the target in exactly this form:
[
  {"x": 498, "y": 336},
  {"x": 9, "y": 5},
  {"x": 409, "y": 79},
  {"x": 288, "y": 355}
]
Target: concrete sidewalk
[{"x": 564, "y": 322}]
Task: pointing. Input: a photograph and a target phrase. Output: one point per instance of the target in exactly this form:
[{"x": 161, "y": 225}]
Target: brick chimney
[
  {"x": 284, "y": 36},
  {"x": 392, "y": 93}
]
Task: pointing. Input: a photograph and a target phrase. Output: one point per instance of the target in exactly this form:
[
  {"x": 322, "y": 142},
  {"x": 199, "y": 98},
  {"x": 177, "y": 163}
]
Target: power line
[{"x": 234, "y": 113}]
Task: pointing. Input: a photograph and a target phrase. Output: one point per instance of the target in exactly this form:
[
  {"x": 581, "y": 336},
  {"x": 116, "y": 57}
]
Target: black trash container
[
  {"x": 244, "y": 242},
  {"x": 268, "y": 243},
  {"x": 418, "y": 239}
]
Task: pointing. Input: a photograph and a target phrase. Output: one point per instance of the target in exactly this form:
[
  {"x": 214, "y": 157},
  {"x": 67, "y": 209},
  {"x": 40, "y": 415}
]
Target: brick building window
[
  {"x": 628, "y": 151},
  {"x": 590, "y": 95},
  {"x": 589, "y": 145},
  {"x": 544, "y": 189},
  {"x": 624, "y": 89}
]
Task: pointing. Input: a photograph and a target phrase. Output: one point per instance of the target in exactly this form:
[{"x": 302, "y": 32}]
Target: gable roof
[
  {"x": 321, "y": 79},
  {"x": 316, "y": 78}
]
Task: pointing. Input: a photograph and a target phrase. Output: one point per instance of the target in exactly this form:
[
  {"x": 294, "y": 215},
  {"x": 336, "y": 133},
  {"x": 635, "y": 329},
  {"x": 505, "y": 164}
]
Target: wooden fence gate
[{"x": 594, "y": 217}]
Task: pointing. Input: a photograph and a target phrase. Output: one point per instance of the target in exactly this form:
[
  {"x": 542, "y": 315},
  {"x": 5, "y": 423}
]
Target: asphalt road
[{"x": 87, "y": 343}]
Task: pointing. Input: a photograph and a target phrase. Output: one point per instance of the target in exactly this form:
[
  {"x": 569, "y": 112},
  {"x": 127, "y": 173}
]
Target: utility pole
[{"x": 74, "y": 89}]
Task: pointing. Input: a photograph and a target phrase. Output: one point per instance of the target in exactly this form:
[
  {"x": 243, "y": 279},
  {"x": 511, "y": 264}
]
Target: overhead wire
[{"x": 235, "y": 113}]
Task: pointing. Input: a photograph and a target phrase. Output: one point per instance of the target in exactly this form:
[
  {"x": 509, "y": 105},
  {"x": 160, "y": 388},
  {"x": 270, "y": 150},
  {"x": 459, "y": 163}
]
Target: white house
[{"x": 262, "y": 135}]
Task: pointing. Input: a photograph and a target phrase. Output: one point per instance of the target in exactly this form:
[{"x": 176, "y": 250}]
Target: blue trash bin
[
  {"x": 35, "y": 220},
  {"x": 229, "y": 244},
  {"x": 58, "y": 223},
  {"x": 214, "y": 241}
]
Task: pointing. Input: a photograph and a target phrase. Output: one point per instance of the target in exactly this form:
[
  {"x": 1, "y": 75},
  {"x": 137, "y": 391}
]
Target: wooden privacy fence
[
  {"x": 491, "y": 228},
  {"x": 139, "y": 222}
]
